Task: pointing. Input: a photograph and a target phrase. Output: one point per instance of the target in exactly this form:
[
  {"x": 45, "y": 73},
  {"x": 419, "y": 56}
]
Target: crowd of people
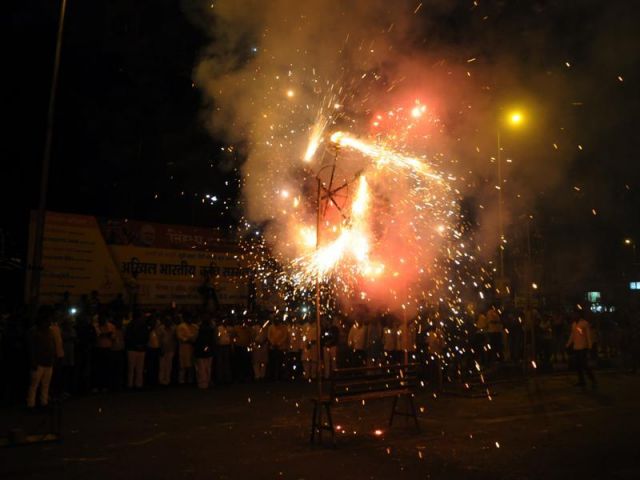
[{"x": 97, "y": 348}]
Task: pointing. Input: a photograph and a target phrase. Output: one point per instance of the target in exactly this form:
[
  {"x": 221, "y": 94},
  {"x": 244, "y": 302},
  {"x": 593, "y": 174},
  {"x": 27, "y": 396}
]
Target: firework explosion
[{"x": 345, "y": 183}]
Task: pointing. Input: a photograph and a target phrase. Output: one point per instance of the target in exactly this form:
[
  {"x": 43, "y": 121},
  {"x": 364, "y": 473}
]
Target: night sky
[{"x": 130, "y": 139}]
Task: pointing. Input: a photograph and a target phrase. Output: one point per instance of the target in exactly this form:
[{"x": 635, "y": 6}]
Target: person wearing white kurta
[
  {"x": 357, "y": 344},
  {"x": 407, "y": 341},
  {"x": 186, "y": 332},
  {"x": 166, "y": 333},
  {"x": 259, "y": 351},
  {"x": 310, "y": 351},
  {"x": 296, "y": 346},
  {"x": 389, "y": 342}
]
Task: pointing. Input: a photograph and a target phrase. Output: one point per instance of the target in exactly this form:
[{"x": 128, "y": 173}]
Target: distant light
[
  {"x": 73, "y": 310},
  {"x": 593, "y": 297},
  {"x": 290, "y": 93},
  {"x": 377, "y": 432},
  {"x": 254, "y": 49},
  {"x": 534, "y": 286},
  {"x": 516, "y": 118},
  {"x": 628, "y": 241},
  {"x": 634, "y": 285}
]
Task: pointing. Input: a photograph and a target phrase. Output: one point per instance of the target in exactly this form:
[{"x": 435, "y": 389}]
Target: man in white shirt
[
  {"x": 580, "y": 341},
  {"x": 259, "y": 349},
  {"x": 296, "y": 346},
  {"x": 357, "y": 343},
  {"x": 389, "y": 338},
  {"x": 223, "y": 358},
  {"x": 407, "y": 341},
  {"x": 186, "y": 333},
  {"x": 310, "y": 351}
]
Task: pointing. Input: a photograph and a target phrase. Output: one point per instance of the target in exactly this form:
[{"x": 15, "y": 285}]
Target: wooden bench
[{"x": 367, "y": 383}]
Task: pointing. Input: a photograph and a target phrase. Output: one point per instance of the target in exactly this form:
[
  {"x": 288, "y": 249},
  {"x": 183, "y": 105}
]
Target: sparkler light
[{"x": 324, "y": 112}]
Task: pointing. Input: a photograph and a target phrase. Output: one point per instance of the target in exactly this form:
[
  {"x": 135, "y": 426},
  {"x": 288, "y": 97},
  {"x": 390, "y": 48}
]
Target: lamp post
[
  {"x": 36, "y": 266},
  {"x": 325, "y": 194},
  {"x": 513, "y": 119},
  {"x": 629, "y": 242}
]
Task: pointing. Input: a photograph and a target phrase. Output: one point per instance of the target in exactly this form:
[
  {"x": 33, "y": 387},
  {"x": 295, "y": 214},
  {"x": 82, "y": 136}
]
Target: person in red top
[{"x": 580, "y": 341}]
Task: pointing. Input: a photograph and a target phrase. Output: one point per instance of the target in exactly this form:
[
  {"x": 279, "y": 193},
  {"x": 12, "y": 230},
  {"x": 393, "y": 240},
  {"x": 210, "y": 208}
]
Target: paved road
[{"x": 527, "y": 431}]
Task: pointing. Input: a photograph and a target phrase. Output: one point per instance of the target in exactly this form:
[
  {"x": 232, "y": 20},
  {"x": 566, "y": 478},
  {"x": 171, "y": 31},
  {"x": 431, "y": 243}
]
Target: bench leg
[
  {"x": 314, "y": 422},
  {"x": 393, "y": 410}
]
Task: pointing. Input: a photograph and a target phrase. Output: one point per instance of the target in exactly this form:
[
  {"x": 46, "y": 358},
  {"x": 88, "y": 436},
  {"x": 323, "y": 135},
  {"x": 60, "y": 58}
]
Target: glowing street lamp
[
  {"x": 514, "y": 118},
  {"x": 629, "y": 242}
]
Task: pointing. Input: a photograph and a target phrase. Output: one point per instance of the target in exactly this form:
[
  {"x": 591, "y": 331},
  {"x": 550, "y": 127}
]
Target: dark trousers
[
  {"x": 152, "y": 364},
  {"x": 582, "y": 366},
  {"x": 497, "y": 349},
  {"x": 242, "y": 369},
  {"x": 101, "y": 367},
  {"x": 118, "y": 369},
  {"x": 276, "y": 364},
  {"x": 223, "y": 364},
  {"x": 358, "y": 358},
  {"x": 294, "y": 364}
]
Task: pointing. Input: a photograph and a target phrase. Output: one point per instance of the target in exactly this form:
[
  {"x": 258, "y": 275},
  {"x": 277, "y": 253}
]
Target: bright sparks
[{"x": 383, "y": 156}]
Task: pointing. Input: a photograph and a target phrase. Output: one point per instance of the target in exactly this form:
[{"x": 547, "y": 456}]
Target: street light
[
  {"x": 629, "y": 242},
  {"x": 513, "y": 119}
]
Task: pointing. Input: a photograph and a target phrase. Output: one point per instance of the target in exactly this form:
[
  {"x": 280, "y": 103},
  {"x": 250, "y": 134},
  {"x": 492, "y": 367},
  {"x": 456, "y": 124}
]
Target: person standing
[
  {"x": 580, "y": 342},
  {"x": 56, "y": 380},
  {"x": 389, "y": 339},
  {"x": 166, "y": 333},
  {"x": 69, "y": 338},
  {"x": 480, "y": 340},
  {"x": 42, "y": 349},
  {"x": 373, "y": 341},
  {"x": 495, "y": 330},
  {"x": 310, "y": 349},
  {"x": 241, "y": 351},
  {"x": 330, "y": 338},
  {"x": 278, "y": 337},
  {"x": 203, "y": 349},
  {"x": 152, "y": 357},
  {"x": 102, "y": 353},
  {"x": 137, "y": 337},
  {"x": 259, "y": 350},
  {"x": 118, "y": 356},
  {"x": 436, "y": 344},
  {"x": 186, "y": 332},
  {"x": 356, "y": 341},
  {"x": 407, "y": 341},
  {"x": 296, "y": 347},
  {"x": 223, "y": 360}
]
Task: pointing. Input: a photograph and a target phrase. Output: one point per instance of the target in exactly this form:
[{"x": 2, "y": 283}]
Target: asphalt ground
[{"x": 544, "y": 428}]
